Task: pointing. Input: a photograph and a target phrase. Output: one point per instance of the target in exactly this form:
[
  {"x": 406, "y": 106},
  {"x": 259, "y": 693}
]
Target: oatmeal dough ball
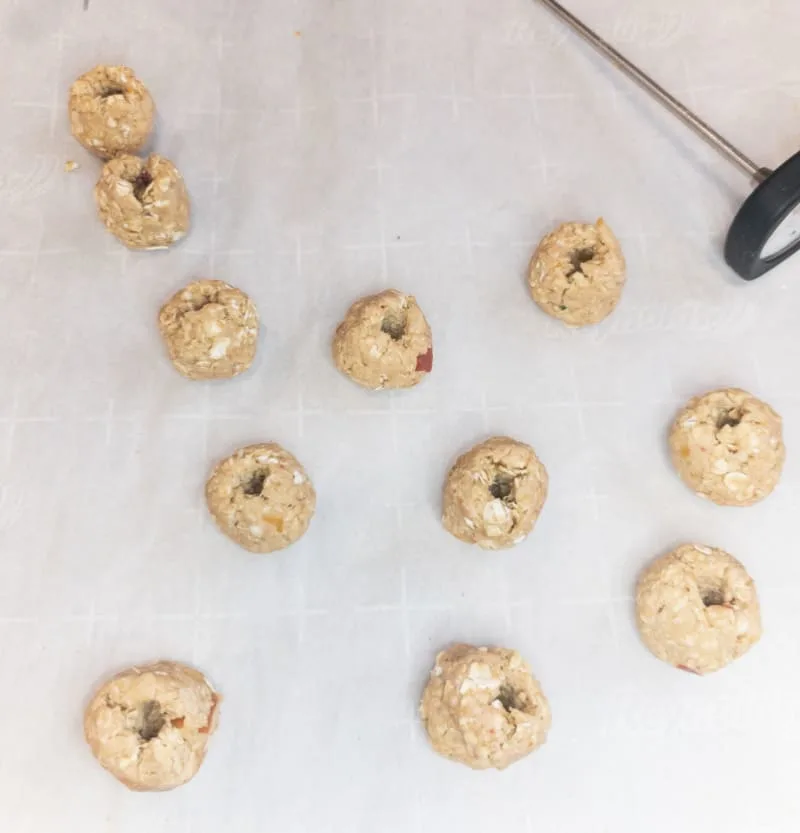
[
  {"x": 494, "y": 494},
  {"x": 210, "y": 329},
  {"x": 261, "y": 498},
  {"x": 727, "y": 446},
  {"x": 697, "y": 609},
  {"x": 143, "y": 202},
  {"x": 110, "y": 111},
  {"x": 577, "y": 273},
  {"x": 483, "y": 708},
  {"x": 384, "y": 342},
  {"x": 149, "y": 726}
]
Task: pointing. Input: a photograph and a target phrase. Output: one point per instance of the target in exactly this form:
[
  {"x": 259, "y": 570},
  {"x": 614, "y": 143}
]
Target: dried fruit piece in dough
[
  {"x": 577, "y": 273},
  {"x": 261, "y": 498},
  {"x": 482, "y": 707},
  {"x": 727, "y": 446},
  {"x": 210, "y": 329},
  {"x": 697, "y": 609},
  {"x": 143, "y": 202},
  {"x": 110, "y": 111},
  {"x": 494, "y": 493},
  {"x": 384, "y": 342},
  {"x": 149, "y": 726}
]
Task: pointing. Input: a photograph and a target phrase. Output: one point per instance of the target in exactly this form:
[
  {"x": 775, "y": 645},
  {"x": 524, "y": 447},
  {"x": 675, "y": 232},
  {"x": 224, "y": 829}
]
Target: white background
[{"x": 334, "y": 148}]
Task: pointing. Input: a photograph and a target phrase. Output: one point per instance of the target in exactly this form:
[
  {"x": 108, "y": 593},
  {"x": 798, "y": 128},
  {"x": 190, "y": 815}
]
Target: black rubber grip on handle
[{"x": 759, "y": 218}]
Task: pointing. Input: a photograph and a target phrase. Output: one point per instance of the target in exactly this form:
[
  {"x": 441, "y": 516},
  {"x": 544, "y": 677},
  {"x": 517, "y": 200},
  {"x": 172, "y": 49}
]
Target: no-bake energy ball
[
  {"x": 143, "y": 202},
  {"x": 577, "y": 273},
  {"x": 384, "y": 342},
  {"x": 494, "y": 493},
  {"x": 697, "y": 609},
  {"x": 261, "y": 498},
  {"x": 149, "y": 726},
  {"x": 727, "y": 446},
  {"x": 110, "y": 111},
  {"x": 210, "y": 329},
  {"x": 483, "y": 708}
]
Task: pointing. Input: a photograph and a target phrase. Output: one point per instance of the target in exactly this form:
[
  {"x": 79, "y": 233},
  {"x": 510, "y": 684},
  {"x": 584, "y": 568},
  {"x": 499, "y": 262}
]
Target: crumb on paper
[
  {"x": 70, "y": 166},
  {"x": 298, "y": 33}
]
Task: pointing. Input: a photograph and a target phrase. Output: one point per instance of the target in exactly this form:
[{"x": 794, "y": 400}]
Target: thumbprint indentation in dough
[
  {"x": 712, "y": 597},
  {"x": 152, "y": 720},
  {"x": 579, "y": 257},
  {"x": 730, "y": 417},
  {"x": 394, "y": 325},
  {"x": 508, "y": 698},
  {"x": 502, "y": 487},
  {"x": 110, "y": 91},
  {"x": 141, "y": 184},
  {"x": 255, "y": 485},
  {"x": 202, "y": 301}
]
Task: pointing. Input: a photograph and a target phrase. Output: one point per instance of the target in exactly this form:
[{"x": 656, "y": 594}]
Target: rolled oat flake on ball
[
  {"x": 727, "y": 446},
  {"x": 110, "y": 111},
  {"x": 577, "y": 273},
  {"x": 494, "y": 493},
  {"x": 149, "y": 726},
  {"x": 384, "y": 342},
  {"x": 261, "y": 498},
  {"x": 143, "y": 202},
  {"x": 482, "y": 707},
  {"x": 697, "y": 609},
  {"x": 210, "y": 329}
]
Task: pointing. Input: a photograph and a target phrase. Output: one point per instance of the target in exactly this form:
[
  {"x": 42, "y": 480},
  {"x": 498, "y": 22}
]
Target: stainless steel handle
[{"x": 700, "y": 127}]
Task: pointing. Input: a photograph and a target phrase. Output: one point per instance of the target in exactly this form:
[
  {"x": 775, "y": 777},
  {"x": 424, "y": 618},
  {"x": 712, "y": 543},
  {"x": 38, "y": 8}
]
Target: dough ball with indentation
[
  {"x": 149, "y": 726},
  {"x": 577, "y": 273},
  {"x": 384, "y": 342},
  {"x": 143, "y": 202},
  {"x": 697, "y": 609},
  {"x": 482, "y": 707},
  {"x": 494, "y": 494},
  {"x": 210, "y": 329},
  {"x": 727, "y": 446},
  {"x": 110, "y": 111},
  {"x": 261, "y": 497}
]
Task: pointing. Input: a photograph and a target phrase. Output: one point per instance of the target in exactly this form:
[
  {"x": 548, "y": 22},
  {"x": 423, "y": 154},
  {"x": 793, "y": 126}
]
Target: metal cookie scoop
[{"x": 766, "y": 230}]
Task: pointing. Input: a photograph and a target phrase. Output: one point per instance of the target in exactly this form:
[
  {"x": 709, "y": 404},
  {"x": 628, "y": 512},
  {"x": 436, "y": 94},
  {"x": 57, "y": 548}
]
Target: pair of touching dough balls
[
  {"x": 149, "y": 726},
  {"x": 142, "y": 202}
]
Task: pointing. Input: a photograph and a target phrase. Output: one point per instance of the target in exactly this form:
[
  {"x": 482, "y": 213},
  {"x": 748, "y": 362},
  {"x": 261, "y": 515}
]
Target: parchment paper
[{"x": 333, "y": 148}]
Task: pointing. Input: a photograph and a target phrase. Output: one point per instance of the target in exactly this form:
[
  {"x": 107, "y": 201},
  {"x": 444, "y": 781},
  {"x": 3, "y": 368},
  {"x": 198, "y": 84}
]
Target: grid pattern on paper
[{"x": 332, "y": 149}]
